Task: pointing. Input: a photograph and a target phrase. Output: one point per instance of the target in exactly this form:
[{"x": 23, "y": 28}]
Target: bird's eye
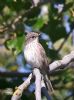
[{"x": 33, "y": 37}]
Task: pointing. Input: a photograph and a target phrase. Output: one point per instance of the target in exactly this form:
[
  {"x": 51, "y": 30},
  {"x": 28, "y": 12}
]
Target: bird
[{"x": 35, "y": 55}]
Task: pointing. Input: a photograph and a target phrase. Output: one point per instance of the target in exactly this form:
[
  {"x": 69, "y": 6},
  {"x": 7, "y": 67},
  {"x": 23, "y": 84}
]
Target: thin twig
[{"x": 62, "y": 44}]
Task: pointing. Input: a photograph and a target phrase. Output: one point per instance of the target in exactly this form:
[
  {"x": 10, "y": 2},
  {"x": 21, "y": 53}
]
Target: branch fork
[{"x": 39, "y": 82}]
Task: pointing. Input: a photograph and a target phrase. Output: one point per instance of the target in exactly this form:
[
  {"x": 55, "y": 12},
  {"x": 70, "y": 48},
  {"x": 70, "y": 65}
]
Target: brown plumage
[{"x": 35, "y": 56}]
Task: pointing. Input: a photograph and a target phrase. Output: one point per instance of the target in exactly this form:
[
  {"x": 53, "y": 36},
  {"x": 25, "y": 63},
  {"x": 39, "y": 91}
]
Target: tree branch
[
  {"x": 59, "y": 64},
  {"x": 37, "y": 83},
  {"x": 18, "y": 93},
  {"x": 62, "y": 44}
]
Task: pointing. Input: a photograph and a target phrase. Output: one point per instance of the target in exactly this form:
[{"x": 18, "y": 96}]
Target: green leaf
[
  {"x": 16, "y": 44},
  {"x": 39, "y": 24}
]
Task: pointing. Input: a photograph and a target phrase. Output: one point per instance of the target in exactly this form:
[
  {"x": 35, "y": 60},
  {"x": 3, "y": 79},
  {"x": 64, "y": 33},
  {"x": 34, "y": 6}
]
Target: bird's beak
[{"x": 39, "y": 34}]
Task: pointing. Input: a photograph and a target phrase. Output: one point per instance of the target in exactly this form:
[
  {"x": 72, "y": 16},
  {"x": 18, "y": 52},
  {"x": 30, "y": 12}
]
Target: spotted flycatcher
[{"x": 35, "y": 56}]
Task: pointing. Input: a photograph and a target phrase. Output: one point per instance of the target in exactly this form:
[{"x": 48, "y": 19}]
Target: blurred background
[{"x": 54, "y": 19}]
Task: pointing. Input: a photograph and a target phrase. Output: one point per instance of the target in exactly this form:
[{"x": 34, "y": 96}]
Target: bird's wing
[{"x": 44, "y": 57}]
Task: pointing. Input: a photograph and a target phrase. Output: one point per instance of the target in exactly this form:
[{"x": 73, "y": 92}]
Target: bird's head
[{"x": 31, "y": 36}]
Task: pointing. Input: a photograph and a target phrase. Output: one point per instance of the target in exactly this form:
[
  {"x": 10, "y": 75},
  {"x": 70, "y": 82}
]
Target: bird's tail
[{"x": 48, "y": 84}]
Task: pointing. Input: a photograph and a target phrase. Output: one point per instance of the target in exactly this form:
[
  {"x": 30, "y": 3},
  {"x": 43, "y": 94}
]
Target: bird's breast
[{"x": 30, "y": 53}]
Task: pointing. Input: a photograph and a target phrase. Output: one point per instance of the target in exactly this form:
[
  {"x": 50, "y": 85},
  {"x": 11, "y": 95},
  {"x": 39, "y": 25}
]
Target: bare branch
[
  {"x": 62, "y": 63},
  {"x": 18, "y": 93},
  {"x": 62, "y": 44},
  {"x": 37, "y": 83}
]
